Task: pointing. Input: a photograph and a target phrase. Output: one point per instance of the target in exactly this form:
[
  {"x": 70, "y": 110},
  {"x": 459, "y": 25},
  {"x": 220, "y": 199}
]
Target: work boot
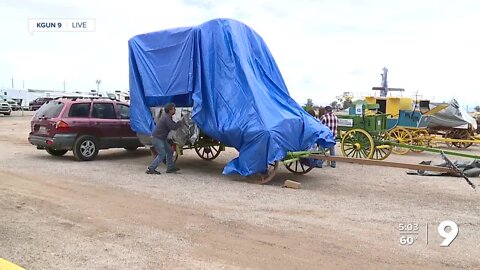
[
  {"x": 172, "y": 170},
  {"x": 152, "y": 172}
]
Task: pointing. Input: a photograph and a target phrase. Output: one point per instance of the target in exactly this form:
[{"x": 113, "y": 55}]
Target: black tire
[
  {"x": 7, "y": 113},
  {"x": 85, "y": 148},
  {"x": 131, "y": 148},
  {"x": 56, "y": 153}
]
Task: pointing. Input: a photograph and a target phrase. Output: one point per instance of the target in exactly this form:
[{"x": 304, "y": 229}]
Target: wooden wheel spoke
[
  {"x": 364, "y": 152},
  {"x": 349, "y": 153},
  {"x": 288, "y": 165},
  {"x": 303, "y": 168}
]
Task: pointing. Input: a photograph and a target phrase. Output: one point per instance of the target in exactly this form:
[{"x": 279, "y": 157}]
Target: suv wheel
[
  {"x": 85, "y": 148},
  {"x": 56, "y": 153}
]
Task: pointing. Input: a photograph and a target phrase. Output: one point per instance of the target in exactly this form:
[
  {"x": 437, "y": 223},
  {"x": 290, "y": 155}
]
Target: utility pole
[
  {"x": 12, "y": 84},
  {"x": 64, "y": 86},
  {"x": 98, "y": 82}
]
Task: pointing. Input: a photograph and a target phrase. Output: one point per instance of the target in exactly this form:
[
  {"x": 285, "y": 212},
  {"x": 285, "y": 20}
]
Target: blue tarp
[{"x": 224, "y": 70}]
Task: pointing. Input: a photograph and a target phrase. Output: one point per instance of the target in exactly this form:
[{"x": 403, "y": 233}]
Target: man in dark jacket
[{"x": 159, "y": 140}]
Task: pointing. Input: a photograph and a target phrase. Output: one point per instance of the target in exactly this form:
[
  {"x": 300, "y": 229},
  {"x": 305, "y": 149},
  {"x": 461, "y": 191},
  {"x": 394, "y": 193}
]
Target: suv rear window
[
  {"x": 79, "y": 110},
  {"x": 50, "y": 109}
]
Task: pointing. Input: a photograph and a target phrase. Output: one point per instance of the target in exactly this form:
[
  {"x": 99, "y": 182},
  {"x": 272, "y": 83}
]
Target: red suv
[{"x": 83, "y": 125}]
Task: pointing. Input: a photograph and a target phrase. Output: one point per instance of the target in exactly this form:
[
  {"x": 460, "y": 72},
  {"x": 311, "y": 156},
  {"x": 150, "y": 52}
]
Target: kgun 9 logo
[
  {"x": 61, "y": 25},
  {"x": 49, "y": 25}
]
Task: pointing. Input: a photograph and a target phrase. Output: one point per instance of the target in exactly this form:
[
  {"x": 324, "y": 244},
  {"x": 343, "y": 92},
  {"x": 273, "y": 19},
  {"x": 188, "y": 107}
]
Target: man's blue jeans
[
  {"x": 163, "y": 150},
  {"x": 332, "y": 153}
]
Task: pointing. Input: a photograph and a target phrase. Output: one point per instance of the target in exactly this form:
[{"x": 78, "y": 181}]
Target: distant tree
[
  {"x": 309, "y": 105},
  {"x": 477, "y": 108},
  {"x": 345, "y": 100},
  {"x": 335, "y": 105}
]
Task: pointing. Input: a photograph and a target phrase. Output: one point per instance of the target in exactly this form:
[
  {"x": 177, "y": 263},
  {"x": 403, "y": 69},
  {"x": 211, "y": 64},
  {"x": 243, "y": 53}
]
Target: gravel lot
[{"x": 58, "y": 213}]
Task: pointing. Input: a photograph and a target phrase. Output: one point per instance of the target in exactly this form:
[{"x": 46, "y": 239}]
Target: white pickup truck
[{"x": 5, "y": 107}]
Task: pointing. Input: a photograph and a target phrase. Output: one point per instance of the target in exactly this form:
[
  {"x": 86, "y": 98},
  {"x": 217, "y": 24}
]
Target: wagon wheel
[
  {"x": 432, "y": 136},
  {"x": 460, "y": 134},
  {"x": 298, "y": 167},
  {"x": 421, "y": 137},
  {"x": 271, "y": 172},
  {"x": 449, "y": 135},
  {"x": 357, "y": 143},
  {"x": 382, "y": 151},
  {"x": 403, "y": 136},
  {"x": 341, "y": 134},
  {"x": 210, "y": 152}
]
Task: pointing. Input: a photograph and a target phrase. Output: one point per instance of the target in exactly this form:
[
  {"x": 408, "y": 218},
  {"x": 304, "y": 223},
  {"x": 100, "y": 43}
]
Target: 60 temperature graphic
[{"x": 410, "y": 233}]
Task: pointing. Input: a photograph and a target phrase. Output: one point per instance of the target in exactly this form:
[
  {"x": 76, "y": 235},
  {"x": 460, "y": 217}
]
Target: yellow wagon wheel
[
  {"x": 403, "y": 136},
  {"x": 341, "y": 133},
  {"x": 357, "y": 143},
  {"x": 421, "y": 137},
  {"x": 382, "y": 151}
]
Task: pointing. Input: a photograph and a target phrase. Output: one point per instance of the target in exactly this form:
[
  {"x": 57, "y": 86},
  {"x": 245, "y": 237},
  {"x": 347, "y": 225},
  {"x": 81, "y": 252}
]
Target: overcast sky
[{"x": 322, "y": 48}]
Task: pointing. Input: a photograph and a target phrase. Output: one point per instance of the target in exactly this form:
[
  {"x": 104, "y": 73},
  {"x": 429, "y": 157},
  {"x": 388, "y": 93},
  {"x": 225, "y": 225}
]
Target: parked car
[
  {"x": 13, "y": 105},
  {"x": 37, "y": 103},
  {"x": 83, "y": 126},
  {"x": 5, "y": 107}
]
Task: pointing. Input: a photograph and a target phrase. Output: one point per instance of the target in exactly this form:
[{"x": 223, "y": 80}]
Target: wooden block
[{"x": 291, "y": 184}]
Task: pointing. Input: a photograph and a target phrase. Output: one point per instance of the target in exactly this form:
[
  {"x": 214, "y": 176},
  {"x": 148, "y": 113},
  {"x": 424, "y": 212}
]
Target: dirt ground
[{"x": 58, "y": 213}]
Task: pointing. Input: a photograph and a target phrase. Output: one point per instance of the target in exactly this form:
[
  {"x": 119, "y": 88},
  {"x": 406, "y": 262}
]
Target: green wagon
[{"x": 364, "y": 136}]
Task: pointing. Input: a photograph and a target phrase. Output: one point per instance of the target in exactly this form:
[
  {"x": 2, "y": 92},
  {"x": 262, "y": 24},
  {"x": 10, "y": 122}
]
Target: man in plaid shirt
[{"x": 330, "y": 120}]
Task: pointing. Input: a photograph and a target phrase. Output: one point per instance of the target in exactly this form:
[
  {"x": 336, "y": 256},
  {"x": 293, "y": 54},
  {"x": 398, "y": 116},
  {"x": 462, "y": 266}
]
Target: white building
[
  {"x": 122, "y": 95},
  {"x": 22, "y": 96}
]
